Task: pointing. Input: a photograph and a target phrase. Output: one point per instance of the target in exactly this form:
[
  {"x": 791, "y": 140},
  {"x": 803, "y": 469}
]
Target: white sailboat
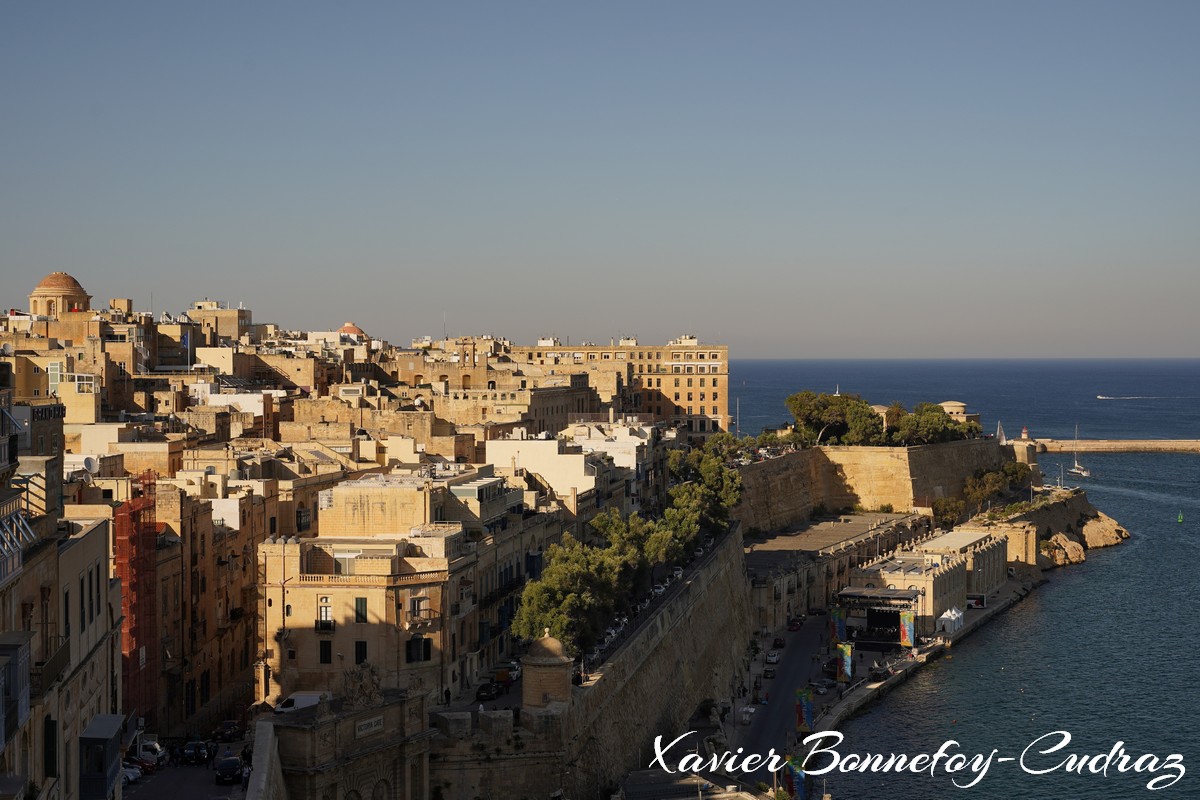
[{"x": 1078, "y": 469}]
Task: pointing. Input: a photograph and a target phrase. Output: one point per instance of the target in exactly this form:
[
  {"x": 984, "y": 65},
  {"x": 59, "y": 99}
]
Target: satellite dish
[
  {"x": 91, "y": 463},
  {"x": 6, "y": 349}
]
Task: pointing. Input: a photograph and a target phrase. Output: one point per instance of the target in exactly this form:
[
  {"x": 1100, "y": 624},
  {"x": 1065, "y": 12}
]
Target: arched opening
[{"x": 466, "y": 382}]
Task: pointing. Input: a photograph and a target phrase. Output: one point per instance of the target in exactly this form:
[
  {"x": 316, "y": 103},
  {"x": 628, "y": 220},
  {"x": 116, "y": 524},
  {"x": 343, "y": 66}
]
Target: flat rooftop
[
  {"x": 823, "y": 537},
  {"x": 956, "y": 540}
]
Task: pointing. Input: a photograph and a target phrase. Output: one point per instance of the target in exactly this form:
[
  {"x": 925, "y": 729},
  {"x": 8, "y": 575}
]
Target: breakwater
[{"x": 1117, "y": 445}]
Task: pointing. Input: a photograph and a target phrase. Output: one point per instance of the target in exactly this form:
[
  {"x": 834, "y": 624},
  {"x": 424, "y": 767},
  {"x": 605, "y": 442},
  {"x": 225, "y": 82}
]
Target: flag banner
[
  {"x": 804, "y": 709},
  {"x": 837, "y": 624},
  {"x": 845, "y": 662},
  {"x": 907, "y": 622},
  {"x": 795, "y": 780}
]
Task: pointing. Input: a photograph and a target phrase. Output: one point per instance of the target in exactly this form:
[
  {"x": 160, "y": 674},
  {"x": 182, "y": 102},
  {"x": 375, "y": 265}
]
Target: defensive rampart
[{"x": 784, "y": 491}]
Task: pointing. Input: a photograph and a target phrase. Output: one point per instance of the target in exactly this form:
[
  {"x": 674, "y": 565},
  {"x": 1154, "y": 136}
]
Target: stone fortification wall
[
  {"x": 1055, "y": 533},
  {"x": 266, "y": 779},
  {"x": 784, "y": 491},
  {"x": 869, "y": 477},
  {"x": 693, "y": 650},
  {"x": 940, "y": 470},
  {"x": 780, "y": 491}
]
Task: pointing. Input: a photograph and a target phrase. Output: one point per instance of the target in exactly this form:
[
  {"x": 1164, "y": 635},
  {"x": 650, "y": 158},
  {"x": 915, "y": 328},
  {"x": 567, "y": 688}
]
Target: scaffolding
[{"x": 136, "y": 563}]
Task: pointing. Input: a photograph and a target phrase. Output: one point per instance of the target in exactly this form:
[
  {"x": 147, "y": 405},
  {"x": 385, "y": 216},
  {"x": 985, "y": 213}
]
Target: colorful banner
[
  {"x": 837, "y": 624},
  {"x": 845, "y": 662},
  {"x": 804, "y": 709},
  {"x": 907, "y": 621},
  {"x": 794, "y": 779}
]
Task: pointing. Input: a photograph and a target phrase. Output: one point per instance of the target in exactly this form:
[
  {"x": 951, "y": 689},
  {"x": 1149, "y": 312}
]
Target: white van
[
  {"x": 298, "y": 700},
  {"x": 153, "y": 752}
]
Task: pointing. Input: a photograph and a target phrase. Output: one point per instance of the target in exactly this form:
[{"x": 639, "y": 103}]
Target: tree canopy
[{"x": 849, "y": 420}]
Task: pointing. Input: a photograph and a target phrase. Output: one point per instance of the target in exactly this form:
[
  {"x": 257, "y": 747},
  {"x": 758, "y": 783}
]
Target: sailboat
[{"x": 1077, "y": 468}]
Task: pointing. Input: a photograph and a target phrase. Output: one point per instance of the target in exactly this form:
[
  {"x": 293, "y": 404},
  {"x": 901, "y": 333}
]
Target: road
[
  {"x": 774, "y": 724},
  {"x": 185, "y": 782}
]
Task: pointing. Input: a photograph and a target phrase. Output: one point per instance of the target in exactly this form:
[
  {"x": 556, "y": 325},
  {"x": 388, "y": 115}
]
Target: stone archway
[{"x": 382, "y": 791}]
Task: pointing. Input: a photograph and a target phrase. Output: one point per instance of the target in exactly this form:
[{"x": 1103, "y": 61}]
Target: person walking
[{"x": 245, "y": 777}]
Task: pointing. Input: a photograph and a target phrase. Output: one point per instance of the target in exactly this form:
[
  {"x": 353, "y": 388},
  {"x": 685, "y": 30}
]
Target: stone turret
[{"x": 546, "y": 673}]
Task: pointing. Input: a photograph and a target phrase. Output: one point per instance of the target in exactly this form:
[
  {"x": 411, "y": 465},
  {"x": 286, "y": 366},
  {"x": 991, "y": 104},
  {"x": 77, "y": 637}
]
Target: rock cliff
[{"x": 1068, "y": 527}]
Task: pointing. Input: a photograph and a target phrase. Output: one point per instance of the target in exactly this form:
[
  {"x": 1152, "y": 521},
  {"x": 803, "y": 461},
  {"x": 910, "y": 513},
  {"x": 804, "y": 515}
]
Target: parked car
[
  {"x": 818, "y": 688},
  {"x": 677, "y": 573},
  {"x": 698, "y": 552},
  {"x": 772, "y": 657},
  {"x": 229, "y": 770},
  {"x": 488, "y": 691},
  {"x": 793, "y": 626},
  {"x": 194, "y": 752},
  {"x": 659, "y": 590},
  {"x": 228, "y": 731},
  {"x": 130, "y": 774},
  {"x": 769, "y": 672},
  {"x": 779, "y": 643},
  {"x": 146, "y": 767}
]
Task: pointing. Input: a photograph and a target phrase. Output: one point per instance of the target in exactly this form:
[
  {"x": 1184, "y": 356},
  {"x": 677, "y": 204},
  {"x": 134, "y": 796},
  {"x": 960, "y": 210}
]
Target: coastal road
[{"x": 774, "y": 725}]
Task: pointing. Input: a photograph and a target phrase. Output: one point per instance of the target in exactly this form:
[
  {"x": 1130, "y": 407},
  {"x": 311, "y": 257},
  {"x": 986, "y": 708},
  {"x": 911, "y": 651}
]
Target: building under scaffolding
[{"x": 135, "y": 545}]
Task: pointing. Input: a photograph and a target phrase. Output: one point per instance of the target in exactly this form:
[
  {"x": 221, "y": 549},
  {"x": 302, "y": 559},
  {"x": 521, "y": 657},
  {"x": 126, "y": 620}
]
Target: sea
[{"x": 1106, "y": 652}]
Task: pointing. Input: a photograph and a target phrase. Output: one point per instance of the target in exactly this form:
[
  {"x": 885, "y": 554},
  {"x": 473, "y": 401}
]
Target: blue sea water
[{"x": 1106, "y": 649}]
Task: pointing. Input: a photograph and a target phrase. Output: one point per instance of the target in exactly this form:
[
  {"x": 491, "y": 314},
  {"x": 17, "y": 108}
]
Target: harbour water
[{"x": 1105, "y": 649}]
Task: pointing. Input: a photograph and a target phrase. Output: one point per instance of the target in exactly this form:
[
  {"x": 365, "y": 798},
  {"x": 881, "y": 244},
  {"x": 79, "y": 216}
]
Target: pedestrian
[
  {"x": 447, "y": 696},
  {"x": 245, "y": 777}
]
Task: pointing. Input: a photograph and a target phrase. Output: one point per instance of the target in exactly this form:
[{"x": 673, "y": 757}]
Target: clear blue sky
[{"x": 796, "y": 178}]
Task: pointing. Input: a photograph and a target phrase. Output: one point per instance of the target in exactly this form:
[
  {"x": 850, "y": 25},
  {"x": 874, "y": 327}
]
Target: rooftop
[
  {"x": 956, "y": 541},
  {"x": 826, "y": 536}
]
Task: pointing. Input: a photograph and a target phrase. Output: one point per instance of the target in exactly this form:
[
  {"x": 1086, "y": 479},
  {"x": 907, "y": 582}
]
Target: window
[
  {"x": 677, "y": 397},
  {"x": 82, "y": 605},
  {"x": 326, "y": 613},
  {"x": 360, "y": 610},
  {"x": 677, "y": 382},
  {"x": 326, "y": 651},
  {"x": 418, "y": 649},
  {"x": 360, "y": 652},
  {"x": 66, "y": 612},
  {"x": 714, "y": 383},
  {"x": 715, "y": 397},
  {"x": 91, "y": 595},
  {"x": 691, "y": 382},
  {"x": 689, "y": 398}
]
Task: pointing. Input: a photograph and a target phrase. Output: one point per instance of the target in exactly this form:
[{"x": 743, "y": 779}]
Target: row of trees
[
  {"x": 848, "y": 419},
  {"x": 586, "y": 584}
]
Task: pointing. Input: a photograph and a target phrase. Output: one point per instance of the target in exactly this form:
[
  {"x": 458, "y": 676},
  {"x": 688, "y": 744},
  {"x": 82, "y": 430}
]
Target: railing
[
  {"x": 324, "y": 625},
  {"x": 45, "y": 673}
]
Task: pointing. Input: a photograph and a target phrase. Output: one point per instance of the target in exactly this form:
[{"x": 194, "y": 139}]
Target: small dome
[
  {"x": 58, "y": 282},
  {"x": 547, "y": 650},
  {"x": 350, "y": 329}
]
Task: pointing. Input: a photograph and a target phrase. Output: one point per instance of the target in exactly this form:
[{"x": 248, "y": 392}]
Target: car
[
  {"x": 659, "y": 590},
  {"x": 228, "y": 731},
  {"x": 769, "y": 672},
  {"x": 488, "y": 691},
  {"x": 194, "y": 752},
  {"x": 130, "y": 774},
  {"x": 779, "y": 643},
  {"x": 698, "y": 552},
  {"x": 229, "y": 770},
  {"x": 793, "y": 626},
  {"x": 146, "y": 767},
  {"x": 514, "y": 670},
  {"x": 818, "y": 687},
  {"x": 772, "y": 657},
  {"x": 677, "y": 573}
]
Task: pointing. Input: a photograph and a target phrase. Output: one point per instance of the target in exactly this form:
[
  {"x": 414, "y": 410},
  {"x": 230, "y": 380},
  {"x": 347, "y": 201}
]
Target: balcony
[
  {"x": 421, "y": 619},
  {"x": 45, "y": 673},
  {"x": 324, "y": 625}
]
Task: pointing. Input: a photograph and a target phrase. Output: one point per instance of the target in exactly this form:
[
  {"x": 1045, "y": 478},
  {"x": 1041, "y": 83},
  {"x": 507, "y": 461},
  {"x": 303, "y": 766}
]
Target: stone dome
[
  {"x": 58, "y": 292},
  {"x": 547, "y": 650},
  {"x": 58, "y": 283},
  {"x": 350, "y": 329}
]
